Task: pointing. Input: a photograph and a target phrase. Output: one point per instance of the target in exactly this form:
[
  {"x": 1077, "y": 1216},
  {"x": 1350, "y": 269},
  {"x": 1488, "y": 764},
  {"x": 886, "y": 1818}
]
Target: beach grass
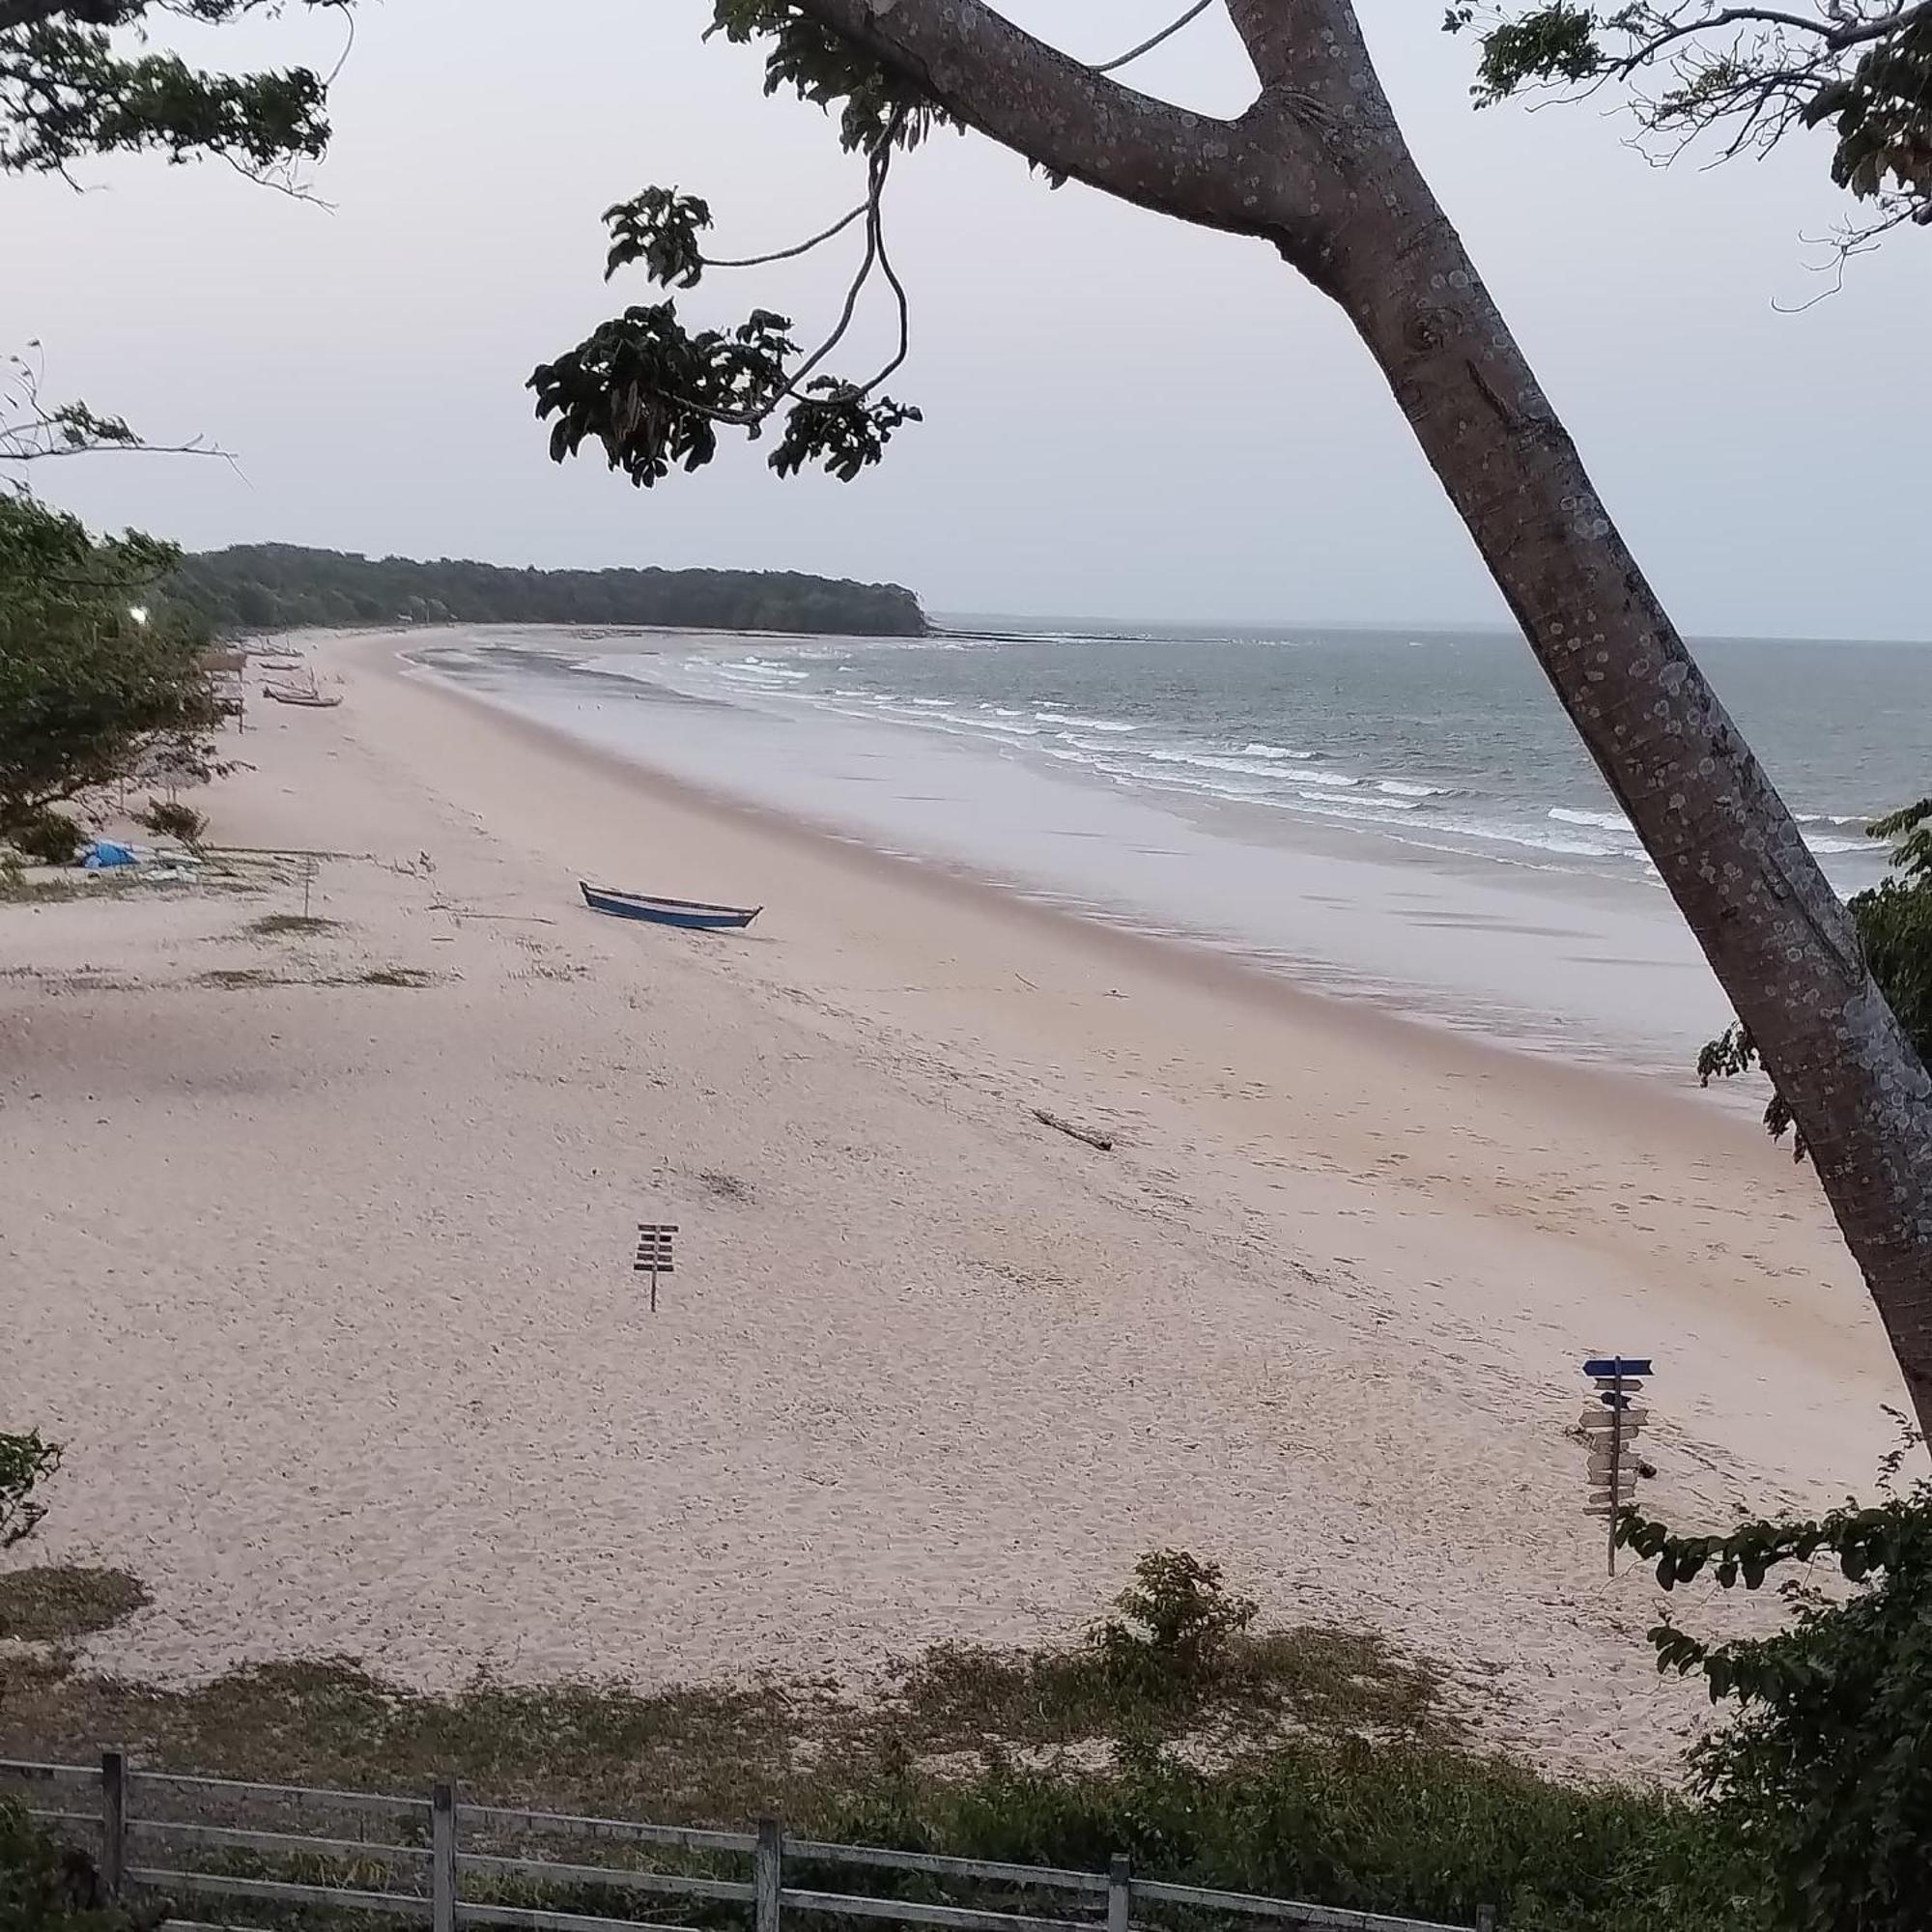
[
  {"x": 290, "y": 925},
  {"x": 241, "y": 978},
  {"x": 60, "y": 1604},
  {"x": 1308, "y": 1763},
  {"x": 17, "y": 889}
]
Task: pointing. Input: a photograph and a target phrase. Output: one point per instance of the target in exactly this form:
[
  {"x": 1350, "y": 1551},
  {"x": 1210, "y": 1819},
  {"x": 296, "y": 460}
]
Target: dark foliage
[
  {"x": 659, "y": 228},
  {"x": 25, "y": 1463},
  {"x": 1749, "y": 74},
  {"x": 283, "y": 586},
  {"x": 46, "y": 837},
  {"x": 817, "y": 66},
  {"x": 91, "y": 681},
  {"x": 837, "y": 427},
  {"x": 653, "y": 393},
  {"x": 69, "y": 89},
  {"x": 1822, "y": 1773},
  {"x": 48, "y": 1888}
]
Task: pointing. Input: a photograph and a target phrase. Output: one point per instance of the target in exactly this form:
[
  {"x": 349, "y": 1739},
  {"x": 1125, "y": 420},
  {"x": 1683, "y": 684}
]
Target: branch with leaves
[
  {"x": 1822, "y": 1766},
  {"x": 1747, "y": 75},
  {"x": 653, "y": 394},
  {"x": 69, "y": 90},
  {"x": 33, "y": 429},
  {"x": 25, "y": 1463}
]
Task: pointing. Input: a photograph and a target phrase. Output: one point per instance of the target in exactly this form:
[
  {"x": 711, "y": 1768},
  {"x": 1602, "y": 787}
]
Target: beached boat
[
  {"x": 690, "y": 913},
  {"x": 284, "y": 694}
]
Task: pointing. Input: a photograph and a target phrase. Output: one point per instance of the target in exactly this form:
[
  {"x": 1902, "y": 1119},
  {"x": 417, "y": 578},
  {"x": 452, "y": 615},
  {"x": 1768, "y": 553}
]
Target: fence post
[
  {"x": 768, "y": 1874},
  {"x": 1120, "y": 1892},
  {"x": 113, "y": 1821},
  {"x": 442, "y": 1856}
]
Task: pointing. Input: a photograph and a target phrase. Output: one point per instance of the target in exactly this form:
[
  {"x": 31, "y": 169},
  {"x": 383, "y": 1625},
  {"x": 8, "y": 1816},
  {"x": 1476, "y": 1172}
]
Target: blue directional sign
[{"x": 1613, "y": 1366}]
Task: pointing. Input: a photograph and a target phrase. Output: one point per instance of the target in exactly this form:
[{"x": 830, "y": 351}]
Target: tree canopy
[
  {"x": 284, "y": 586},
  {"x": 1747, "y": 75},
  {"x": 69, "y": 90},
  {"x": 94, "y": 675}
]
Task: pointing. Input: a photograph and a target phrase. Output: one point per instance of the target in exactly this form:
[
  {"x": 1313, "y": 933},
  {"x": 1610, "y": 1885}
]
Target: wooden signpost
[
  {"x": 654, "y": 1239},
  {"x": 1611, "y": 1431}
]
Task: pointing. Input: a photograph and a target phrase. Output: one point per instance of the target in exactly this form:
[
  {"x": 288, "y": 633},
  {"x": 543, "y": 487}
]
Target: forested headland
[{"x": 286, "y": 586}]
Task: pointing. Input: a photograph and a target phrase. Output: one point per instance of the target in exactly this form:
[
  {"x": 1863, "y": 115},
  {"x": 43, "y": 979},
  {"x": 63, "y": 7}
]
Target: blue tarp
[{"x": 107, "y": 853}]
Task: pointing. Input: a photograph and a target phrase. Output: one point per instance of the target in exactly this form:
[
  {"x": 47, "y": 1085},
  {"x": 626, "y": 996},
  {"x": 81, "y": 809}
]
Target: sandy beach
[{"x": 325, "y": 1281}]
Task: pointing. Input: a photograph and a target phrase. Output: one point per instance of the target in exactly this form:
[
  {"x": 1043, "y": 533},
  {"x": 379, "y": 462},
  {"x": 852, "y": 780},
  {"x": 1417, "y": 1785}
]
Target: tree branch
[
  {"x": 838, "y": 227},
  {"x": 1833, "y": 37},
  {"x": 1152, "y": 40},
  {"x": 1075, "y": 121}
]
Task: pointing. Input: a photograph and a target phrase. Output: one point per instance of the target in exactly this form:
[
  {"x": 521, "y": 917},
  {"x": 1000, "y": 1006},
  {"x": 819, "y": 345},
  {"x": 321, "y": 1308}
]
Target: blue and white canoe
[{"x": 692, "y": 914}]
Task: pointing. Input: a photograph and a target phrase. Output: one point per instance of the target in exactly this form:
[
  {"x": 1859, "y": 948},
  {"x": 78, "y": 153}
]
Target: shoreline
[
  {"x": 1579, "y": 967},
  {"x": 1183, "y": 957},
  {"x": 326, "y": 1243}
]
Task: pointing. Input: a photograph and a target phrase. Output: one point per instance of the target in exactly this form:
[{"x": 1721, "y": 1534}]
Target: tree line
[{"x": 287, "y": 587}]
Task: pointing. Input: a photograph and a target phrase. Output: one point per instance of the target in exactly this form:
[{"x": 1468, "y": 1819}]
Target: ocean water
[
  {"x": 1446, "y": 740},
  {"x": 1405, "y": 816}
]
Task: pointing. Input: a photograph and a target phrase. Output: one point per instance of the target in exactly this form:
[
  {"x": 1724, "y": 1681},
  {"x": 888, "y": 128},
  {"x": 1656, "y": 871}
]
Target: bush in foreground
[
  {"x": 45, "y": 1888},
  {"x": 1414, "y": 1833},
  {"x": 1823, "y": 1767}
]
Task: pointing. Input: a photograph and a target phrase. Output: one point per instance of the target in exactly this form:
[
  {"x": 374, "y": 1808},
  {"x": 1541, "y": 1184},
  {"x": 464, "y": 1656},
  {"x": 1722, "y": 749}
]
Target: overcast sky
[{"x": 1124, "y": 416}]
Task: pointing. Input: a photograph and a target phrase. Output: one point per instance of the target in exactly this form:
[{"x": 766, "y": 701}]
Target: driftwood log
[{"x": 1104, "y": 1142}]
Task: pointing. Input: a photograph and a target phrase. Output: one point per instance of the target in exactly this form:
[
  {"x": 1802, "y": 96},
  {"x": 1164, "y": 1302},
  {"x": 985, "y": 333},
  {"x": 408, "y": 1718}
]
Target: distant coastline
[{"x": 291, "y": 587}]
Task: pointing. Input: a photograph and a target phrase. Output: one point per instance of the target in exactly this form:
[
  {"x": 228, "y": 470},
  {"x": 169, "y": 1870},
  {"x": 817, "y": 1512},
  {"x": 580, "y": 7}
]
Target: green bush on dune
[
  {"x": 1303, "y": 1763},
  {"x": 46, "y": 1888}
]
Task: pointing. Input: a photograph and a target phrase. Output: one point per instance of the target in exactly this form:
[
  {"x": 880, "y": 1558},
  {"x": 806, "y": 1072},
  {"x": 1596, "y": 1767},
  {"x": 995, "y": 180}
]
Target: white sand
[{"x": 329, "y": 1291}]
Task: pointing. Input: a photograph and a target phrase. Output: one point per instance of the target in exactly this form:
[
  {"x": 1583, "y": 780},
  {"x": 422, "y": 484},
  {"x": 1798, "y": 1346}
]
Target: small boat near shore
[
  {"x": 693, "y": 914},
  {"x": 316, "y": 700}
]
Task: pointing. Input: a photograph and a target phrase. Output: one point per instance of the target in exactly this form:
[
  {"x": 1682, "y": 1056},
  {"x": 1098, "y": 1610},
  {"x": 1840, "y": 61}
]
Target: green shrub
[
  {"x": 1823, "y": 1767},
  {"x": 169, "y": 818},
  {"x": 1416, "y": 1832},
  {"x": 45, "y": 1888},
  {"x": 1176, "y": 1622},
  {"x": 25, "y": 1462},
  {"x": 48, "y": 838}
]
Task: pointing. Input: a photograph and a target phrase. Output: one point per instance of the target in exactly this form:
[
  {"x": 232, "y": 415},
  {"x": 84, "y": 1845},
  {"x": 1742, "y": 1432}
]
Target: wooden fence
[{"x": 147, "y": 1827}]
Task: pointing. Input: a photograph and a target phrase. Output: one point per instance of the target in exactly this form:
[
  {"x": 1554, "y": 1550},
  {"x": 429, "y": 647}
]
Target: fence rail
[{"x": 122, "y": 1824}]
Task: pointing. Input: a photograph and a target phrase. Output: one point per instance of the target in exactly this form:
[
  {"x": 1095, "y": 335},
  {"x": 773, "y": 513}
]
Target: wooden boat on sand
[
  {"x": 287, "y": 693},
  {"x": 692, "y": 914}
]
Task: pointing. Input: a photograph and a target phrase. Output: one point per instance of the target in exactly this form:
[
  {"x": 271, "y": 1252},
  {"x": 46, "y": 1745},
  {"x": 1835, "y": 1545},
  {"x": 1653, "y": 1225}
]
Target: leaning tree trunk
[
  {"x": 1319, "y": 167},
  {"x": 1780, "y": 943}
]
